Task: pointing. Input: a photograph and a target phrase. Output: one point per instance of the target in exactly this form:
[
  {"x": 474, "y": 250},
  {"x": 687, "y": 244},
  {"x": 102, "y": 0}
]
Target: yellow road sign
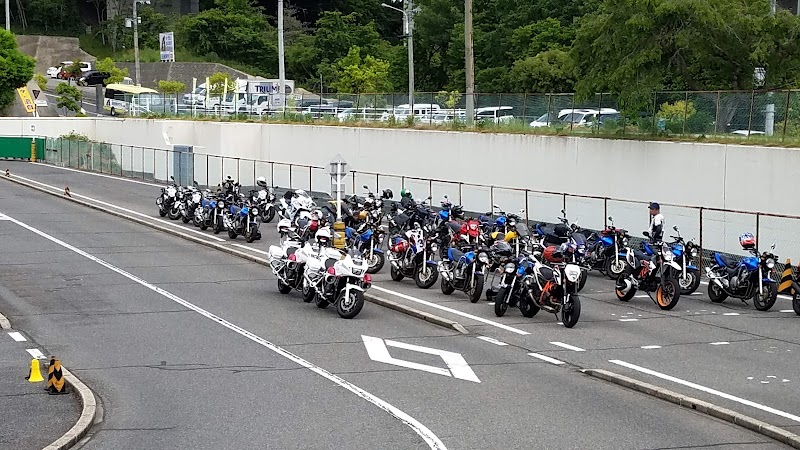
[{"x": 26, "y": 98}]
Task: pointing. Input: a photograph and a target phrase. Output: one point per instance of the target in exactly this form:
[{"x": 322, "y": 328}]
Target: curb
[
  {"x": 4, "y": 323},
  {"x": 88, "y": 412},
  {"x": 719, "y": 412},
  {"x": 428, "y": 317}
]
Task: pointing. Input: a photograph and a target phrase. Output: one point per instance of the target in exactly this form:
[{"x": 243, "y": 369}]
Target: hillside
[{"x": 50, "y": 50}]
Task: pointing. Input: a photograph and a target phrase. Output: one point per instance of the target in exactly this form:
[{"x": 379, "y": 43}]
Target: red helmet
[
  {"x": 552, "y": 255},
  {"x": 747, "y": 241}
]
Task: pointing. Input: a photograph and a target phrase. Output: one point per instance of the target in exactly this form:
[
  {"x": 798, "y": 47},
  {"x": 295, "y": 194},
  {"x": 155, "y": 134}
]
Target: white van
[
  {"x": 403, "y": 111},
  {"x": 549, "y": 119},
  {"x": 495, "y": 114}
]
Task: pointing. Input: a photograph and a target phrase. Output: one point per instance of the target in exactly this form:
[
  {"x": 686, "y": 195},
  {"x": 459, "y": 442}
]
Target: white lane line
[
  {"x": 492, "y": 340},
  {"x": 650, "y": 347},
  {"x": 129, "y": 211},
  {"x": 128, "y": 180},
  {"x": 36, "y": 353},
  {"x": 17, "y": 336},
  {"x": 696, "y": 293},
  {"x": 787, "y": 310},
  {"x": 426, "y": 434},
  {"x": 251, "y": 249},
  {"x": 719, "y": 343},
  {"x": 641, "y": 296},
  {"x": 568, "y": 347},
  {"x": 451, "y": 310},
  {"x": 731, "y": 314},
  {"x": 4, "y": 217},
  {"x": 708, "y": 390},
  {"x": 628, "y": 320},
  {"x": 546, "y": 358}
]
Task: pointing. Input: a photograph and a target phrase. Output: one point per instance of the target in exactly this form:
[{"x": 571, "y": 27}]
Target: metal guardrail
[
  {"x": 710, "y": 228},
  {"x": 733, "y": 114}
]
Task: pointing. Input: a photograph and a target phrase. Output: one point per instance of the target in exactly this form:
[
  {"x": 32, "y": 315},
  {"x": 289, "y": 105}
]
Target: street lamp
[
  {"x": 136, "y": 38},
  {"x": 408, "y": 32}
]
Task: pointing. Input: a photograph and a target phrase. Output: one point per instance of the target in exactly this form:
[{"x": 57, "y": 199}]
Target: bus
[{"x": 135, "y": 100}]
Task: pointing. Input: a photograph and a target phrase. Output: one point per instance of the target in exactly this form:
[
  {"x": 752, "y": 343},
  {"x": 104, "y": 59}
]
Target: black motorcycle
[
  {"x": 752, "y": 277},
  {"x": 463, "y": 271}
]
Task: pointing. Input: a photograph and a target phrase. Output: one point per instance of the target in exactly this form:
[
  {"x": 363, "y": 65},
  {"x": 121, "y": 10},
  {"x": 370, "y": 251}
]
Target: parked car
[
  {"x": 53, "y": 72},
  {"x": 550, "y": 119},
  {"x": 495, "y": 114},
  {"x": 93, "y": 78},
  {"x": 588, "y": 117}
]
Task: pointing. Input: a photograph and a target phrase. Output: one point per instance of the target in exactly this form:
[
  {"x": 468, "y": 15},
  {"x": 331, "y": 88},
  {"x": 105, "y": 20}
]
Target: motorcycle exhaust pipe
[{"x": 395, "y": 264}]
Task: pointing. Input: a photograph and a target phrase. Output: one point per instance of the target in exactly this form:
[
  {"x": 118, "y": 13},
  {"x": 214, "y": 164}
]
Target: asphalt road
[{"x": 128, "y": 321}]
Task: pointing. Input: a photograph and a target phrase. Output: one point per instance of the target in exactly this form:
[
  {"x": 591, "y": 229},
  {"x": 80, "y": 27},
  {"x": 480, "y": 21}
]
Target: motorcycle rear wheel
[
  {"x": 320, "y": 302},
  {"x": 796, "y": 302},
  {"x": 766, "y": 301},
  {"x": 500, "y": 305},
  {"x": 232, "y": 234},
  {"x": 528, "y": 307},
  {"x": 395, "y": 274},
  {"x": 268, "y": 215},
  {"x": 571, "y": 312},
  {"x": 186, "y": 219},
  {"x": 283, "y": 288},
  {"x": 174, "y": 213},
  {"x": 349, "y": 307},
  {"x": 614, "y": 268},
  {"x": 162, "y": 212},
  {"x": 667, "y": 294},
  {"x": 715, "y": 293},
  {"x": 308, "y": 292}
]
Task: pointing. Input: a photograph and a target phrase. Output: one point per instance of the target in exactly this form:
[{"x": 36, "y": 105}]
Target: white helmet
[
  {"x": 323, "y": 236},
  {"x": 261, "y": 181},
  {"x": 284, "y": 225}
]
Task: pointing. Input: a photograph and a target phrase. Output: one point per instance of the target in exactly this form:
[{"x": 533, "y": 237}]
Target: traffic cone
[
  {"x": 34, "y": 375},
  {"x": 8, "y": 174},
  {"x": 55, "y": 377},
  {"x": 785, "y": 287}
]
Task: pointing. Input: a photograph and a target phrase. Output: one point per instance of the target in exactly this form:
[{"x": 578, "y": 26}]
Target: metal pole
[
  {"x": 136, "y": 42},
  {"x": 281, "y": 67},
  {"x": 769, "y": 117},
  {"x": 8, "y": 15},
  {"x": 470, "y": 62},
  {"x": 409, "y": 16},
  {"x": 339, "y": 191}
]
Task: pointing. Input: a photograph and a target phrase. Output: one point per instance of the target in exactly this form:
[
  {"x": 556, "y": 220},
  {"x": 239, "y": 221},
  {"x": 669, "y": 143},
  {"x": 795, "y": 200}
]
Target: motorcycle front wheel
[
  {"x": 690, "y": 284},
  {"x": 320, "y": 302},
  {"x": 528, "y": 307},
  {"x": 268, "y": 215},
  {"x": 667, "y": 294},
  {"x": 376, "y": 262},
  {"x": 763, "y": 302},
  {"x": 174, "y": 213},
  {"x": 348, "y": 306},
  {"x": 218, "y": 227},
  {"x": 615, "y": 267},
  {"x": 447, "y": 288},
  {"x": 571, "y": 312},
  {"x": 308, "y": 292},
  {"x": 476, "y": 290},
  {"x": 251, "y": 235},
  {"x": 232, "y": 234},
  {"x": 186, "y": 219},
  {"x": 162, "y": 212},
  {"x": 582, "y": 280},
  {"x": 283, "y": 288},
  {"x": 395, "y": 274},
  {"x": 425, "y": 276},
  {"x": 796, "y": 302},
  {"x": 500, "y": 305},
  {"x": 620, "y": 287}
]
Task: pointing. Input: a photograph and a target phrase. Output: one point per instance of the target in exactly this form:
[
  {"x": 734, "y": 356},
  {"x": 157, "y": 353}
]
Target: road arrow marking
[{"x": 457, "y": 366}]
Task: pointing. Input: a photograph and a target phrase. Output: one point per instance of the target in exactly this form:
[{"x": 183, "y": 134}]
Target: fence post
[
  {"x": 272, "y": 173},
  {"x": 491, "y": 199},
  {"x": 377, "y": 183},
  {"x": 142, "y": 163},
  {"x": 758, "y": 229},
  {"x": 208, "y": 181},
  {"x": 460, "y": 197},
  {"x": 599, "y": 108},
  {"x": 786, "y": 114},
  {"x": 564, "y": 201},
  {"x": 290, "y": 177},
  {"x": 101, "y": 158},
  {"x": 310, "y": 169},
  {"x": 430, "y": 189},
  {"x": 549, "y": 99},
  {"x": 750, "y": 120},
  {"x": 354, "y": 183},
  {"x": 685, "y": 112},
  {"x": 605, "y": 212},
  {"x": 238, "y": 163},
  {"x": 524, "y": 106},
  {"x": 716, "y": 117},
  {"x": 527, "y": 209},
  {"x": 573, "y": 111},
  {"x": 701, "y": 238}
]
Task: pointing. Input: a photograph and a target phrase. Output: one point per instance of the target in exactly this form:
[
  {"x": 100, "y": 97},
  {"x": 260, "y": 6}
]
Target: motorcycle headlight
[
  {"x": 694, "y": 253},
  {"x": 624, "y": 242},
  {"x": 221, "y": 204},
  {"x": 770, "y": 263},
  {"x": 668, "y": 256},
  {"x": 573, "y": 273},
  {"x": 483, "y": 257},
  {"x": 254, "y": 211},
  {"x": 434, "y": 247},
  {"x": 510, "y": 268}
]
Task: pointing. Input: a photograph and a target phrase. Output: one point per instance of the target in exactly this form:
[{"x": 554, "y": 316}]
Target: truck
[{"x": 249, "y": 96}]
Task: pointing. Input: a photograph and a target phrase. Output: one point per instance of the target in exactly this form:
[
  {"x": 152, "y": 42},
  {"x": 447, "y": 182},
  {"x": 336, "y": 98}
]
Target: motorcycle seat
[
  {"x": 547, "y": 272},
  {"x": 640, "y": 255},
  {"x": 726, "y": 261},
  {"x": 455, "y": 226},
  {"x": 330, "y": 262},
  {"x": 454, "y": 254}
]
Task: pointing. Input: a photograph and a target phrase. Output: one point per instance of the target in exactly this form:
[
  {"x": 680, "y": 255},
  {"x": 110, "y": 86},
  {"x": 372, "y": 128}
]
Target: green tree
[
  {"x": 117, "y": 75},
  {"x": 218, "y": 81},
  {"x": 358, "y": 76},
  {"x": 551, "y": 71},
  {"x": 16, "y": 69},
  {"x": 171, "y": 87},
  {"x": 69, "y": 97},
  {"x": 41, "y": 81}
]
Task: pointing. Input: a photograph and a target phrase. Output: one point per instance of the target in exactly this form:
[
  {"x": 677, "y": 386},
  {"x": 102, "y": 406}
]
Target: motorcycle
[
  {"x": 555, "y": 289},
  {"x": 642, "y": 274},
  {"x": 686, "y": 253},
  {"x": 367, "y": 241},
  {"x": 286, "y": 260},
  {"x": 203, "y": 214},
  {"x": 339, "y": 281},
  {"x": 744, "y": 279},
  {"x": 294, "y": 203},
  {"x": 242, "y": 220},
  {"x": 604, "y": 251},
  {"x": 463, "y": 271},
  {"x": 191, "y": 200},
  {"x": 220, "y": 211},
  {"x": 264, "y": 199},
  {"x": 166, "y": 200},
  {"x": 408, "y": 256}
]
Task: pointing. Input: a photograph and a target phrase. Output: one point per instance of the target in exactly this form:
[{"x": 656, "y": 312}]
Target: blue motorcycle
[
  {"x": 686, "y": 254},
  {"x": 463, "y": 271},
  {"x": 243, "y": 220},
  {"x": 751, "y": 277},
  {"x": 368, "y": 242}
]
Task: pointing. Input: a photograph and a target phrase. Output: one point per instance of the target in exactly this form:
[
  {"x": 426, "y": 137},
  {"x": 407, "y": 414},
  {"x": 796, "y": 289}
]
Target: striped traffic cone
[{"x": 785, "y": 287}]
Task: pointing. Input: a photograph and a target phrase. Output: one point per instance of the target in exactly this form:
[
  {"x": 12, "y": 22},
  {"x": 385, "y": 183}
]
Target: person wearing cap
[{"x": 656, "y": 228}]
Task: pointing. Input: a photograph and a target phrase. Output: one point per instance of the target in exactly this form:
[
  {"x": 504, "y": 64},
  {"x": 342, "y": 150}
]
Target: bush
[{"x": 41, "y": 81}]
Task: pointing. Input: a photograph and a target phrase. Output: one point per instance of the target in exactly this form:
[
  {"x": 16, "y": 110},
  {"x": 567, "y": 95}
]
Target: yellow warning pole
[
  {"x": 33, "y": 149},
  {"x": 785, "y": 285}
]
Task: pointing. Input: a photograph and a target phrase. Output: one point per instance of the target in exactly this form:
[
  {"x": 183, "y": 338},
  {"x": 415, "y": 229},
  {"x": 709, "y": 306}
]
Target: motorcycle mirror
[
  {"x": 496, "y": 206},
  {"x": 610, "y": 219},
  {"x": 675, "y": 227},
  {"x": 563, "y": 212},
  {"x": 172, "y": 178},
  {"x": 366, "y": 187},
  {"x": 772, "y": 247}
]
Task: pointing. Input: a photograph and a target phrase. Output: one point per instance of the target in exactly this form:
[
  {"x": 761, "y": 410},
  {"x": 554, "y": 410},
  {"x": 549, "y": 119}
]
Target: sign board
[
  {"x": 27, "y": 101},
  {"x": 167, "y": 41},
  {"x": 39, "y": 99}
]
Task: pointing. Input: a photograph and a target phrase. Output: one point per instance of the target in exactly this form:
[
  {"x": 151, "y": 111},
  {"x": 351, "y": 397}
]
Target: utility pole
[
  {"x": 470, "y": 62},
  {"x": 8, "y": 15},
  {"x": 409, "y": 19},
  {"x": 769, "y": 116},
  {"x": 136, "y": 42},
  {"x": 281, "y": 65}
]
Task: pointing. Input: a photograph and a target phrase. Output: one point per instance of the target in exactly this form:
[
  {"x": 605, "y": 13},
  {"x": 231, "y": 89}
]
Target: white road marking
[
  {"x": 426, "y": 434},
  {"x": 731, "y": 314},
  {"x": 36, "y": 353},
  {"x": 457, "y": 366},
  {"x": 787, "y": 311},
  {"x": 650, "y": 347},
  {"x": 492, "y": 340},
  {"x": 102, "y": 175},
  {"x": 696, "y": 293},
  {"x": 771, "y": 376},
  {"x": 719, "y": 343},
  {"x": 764, "y": 382},
  {"x": 628, "y": 320},
  {"x": 4, "y": 217},
  {"x": 129, "y": 211},
  {"x": 708, "y": 390},
  {"x": 641, "y": 296},
  {"x": 546, "y": 358},
  {"x": 749, "y": 378},
  {"x": 568, "y": 347},
  {"x": 785, "y": 380},
  {"x": 17, "y": 336},
  {"x": 452, "y": 311},
  {"x": 252, "y": 249}
]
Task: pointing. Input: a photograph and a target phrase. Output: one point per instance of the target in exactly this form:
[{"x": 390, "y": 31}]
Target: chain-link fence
[
  {"x": 714, "y": 230},
  {"x": 733, "y": 115}
]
